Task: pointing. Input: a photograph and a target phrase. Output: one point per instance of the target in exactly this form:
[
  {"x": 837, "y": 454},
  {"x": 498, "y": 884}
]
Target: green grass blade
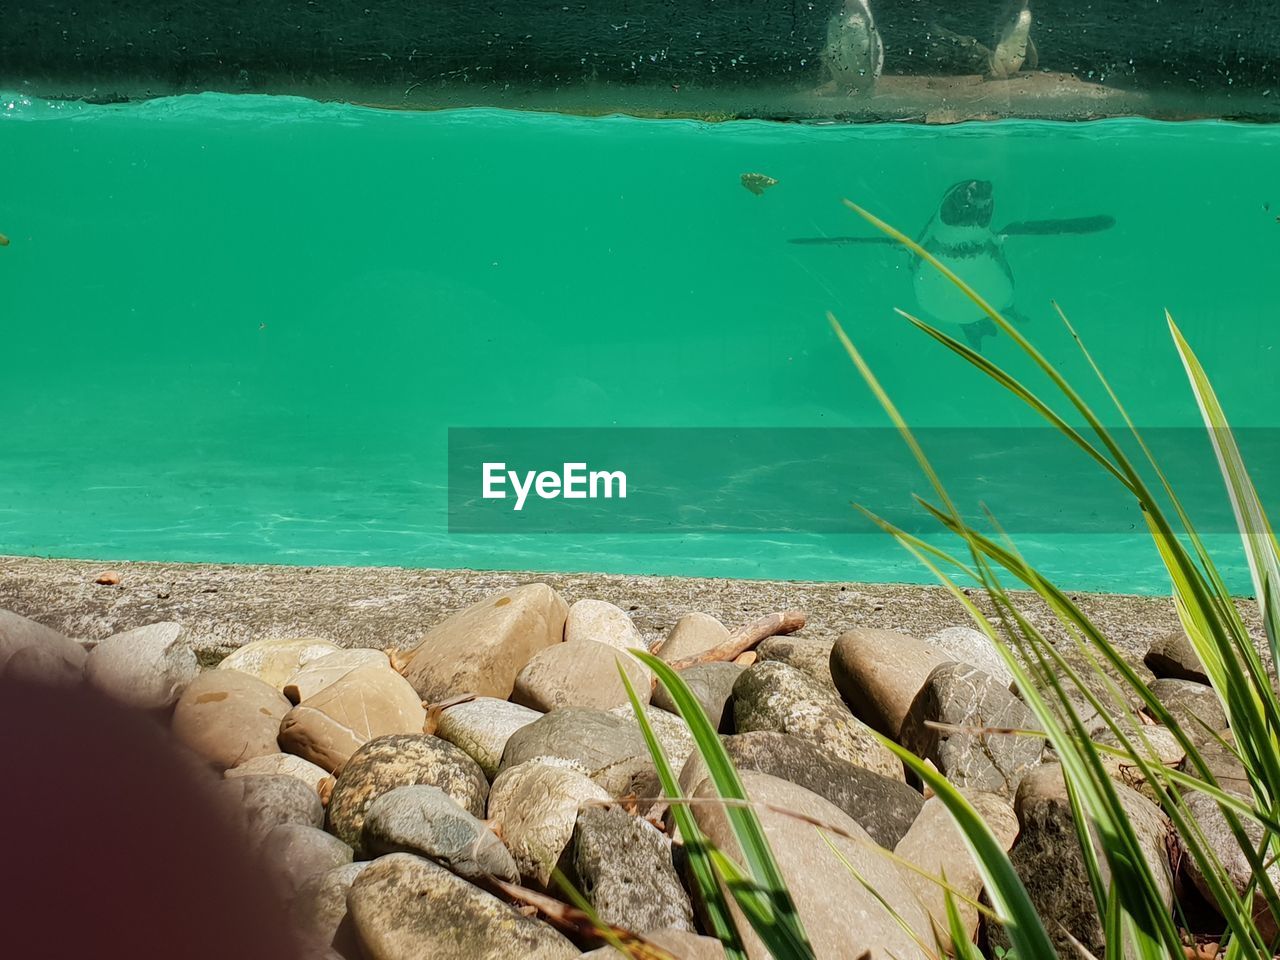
[{"x": 758, "y": 905}]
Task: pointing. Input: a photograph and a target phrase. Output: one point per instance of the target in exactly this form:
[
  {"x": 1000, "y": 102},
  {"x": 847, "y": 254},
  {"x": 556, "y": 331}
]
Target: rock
[
  {"x": 367, "y": 703},
  {"x": 260, "y": 802},
  {"x": 1156, "y": 745},
  {"x": 1047, "y": 857},
  {"x": 622, "y": 865},
  {"x": 320, "y": 908},
  {"x": 426, "y": 821},
  {"x": 843, "y": 920},
  {"x": 45, "y": 665},
  {"x": 402, "y": 760},
  {"x": 678, "y": 943},
  {"x": 604, "y": 623},
  {"x": 281, "y": 764},
  {"x": 884, "y": 807},
  {"x": 534, "y": 807},
  {"x": 1173, "y": 657},
  {"x": 712, "y": 685},
  {"x": 606, "y": 748},
  {"x": 583, "y": 674},
  {"x": 309, "y": 680},
  {"x": 1224, "y": 764},
  {"x": 774, "y": 696},
  {"x": 671, "y": 730},
  {"x": 407, "y": 908},
  {"x": 274, "y": 661},
  {"x": 973, "y": 647},
  {"x": 481, "y": 727},
  {"x": 962, "y": 696},
  {"x": 228, "y": 717},
  {"x": 809, "y": 656},
  {"x": 298, "y": 854},
  {"x": 1193, "y": 705},
  {"x": 879, "y": 673},
  {"x": 1218, "y": 837},
  {"x": 19, "y": 633},
  {"x": 147, "y": 668},
  {"x": 935, "y": 845},
  {"x": 481, "y": 649},
  {"x": 694, "y": 633}
]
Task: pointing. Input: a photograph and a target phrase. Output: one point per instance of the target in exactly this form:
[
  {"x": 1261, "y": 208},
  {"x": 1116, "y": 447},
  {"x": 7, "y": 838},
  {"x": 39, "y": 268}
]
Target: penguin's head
[{"x": 968, "y": 204}]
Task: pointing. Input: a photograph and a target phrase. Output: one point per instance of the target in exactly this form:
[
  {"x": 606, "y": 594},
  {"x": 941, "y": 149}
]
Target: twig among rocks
[{"x": 746, "y": 638}]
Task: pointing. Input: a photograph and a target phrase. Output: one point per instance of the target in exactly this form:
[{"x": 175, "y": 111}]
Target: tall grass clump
[{"x": 1127, "y": 894}]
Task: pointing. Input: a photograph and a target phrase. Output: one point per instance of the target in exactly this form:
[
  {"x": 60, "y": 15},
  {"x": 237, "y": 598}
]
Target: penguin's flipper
[
  {"x": 976, "y": 331},
  {"x": 815, "y": 241},
  {"x": 1016, "y": 315},
  {"x": 1040, "y": 228}
]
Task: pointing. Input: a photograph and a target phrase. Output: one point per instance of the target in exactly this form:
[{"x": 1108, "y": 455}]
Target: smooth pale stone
[
  {"x": 694, "y": 633},
  {"x": 274, "y": 661},
  {"x": 935, "y": 845},
  {"x": 582, "y": 674},
  {"x": 670, "y": 729},
  {"x": 1206, "y": 813},
  {"x": 315, "y": 676},
  {"x": 228, "y": 717},
  {"x": 321, "y": 909},
  {"x": 367, "y": 703},
  {"x": 147, "y": 668},
  {"x": 605, "y": 747},
  {"x": 879, "y": 673},
  {"x": 843, "y": 920},
  {"x": 281, "y": 764},
  {"x": 44, "y": 665},
  {"x": 18, "y": 632},
  {"x": 260, "y": 803},
  {"x": 712, "y": 686},
  {"x": 401, "y": 760},
  {"x": 482, "y": 727},
  {"x": 604, "y": 623},
  {"x": 426, "y": 821},
  {"x": 678, "y": 943},
  {"x": 972, "y": 646},
  {"x": 297, "y": 854},
  {"x": 1193, "y": 705},
  {"x": 408, "y": 908},
  {"x": 533, "y": 807},
  {"x": 774, "y": 696},
  {"x": 1155, "y": 744},
  {"x": 481, "y": 649}
]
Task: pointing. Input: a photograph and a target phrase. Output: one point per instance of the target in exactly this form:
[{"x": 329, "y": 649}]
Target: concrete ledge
[{"x": 225, "y": 606}]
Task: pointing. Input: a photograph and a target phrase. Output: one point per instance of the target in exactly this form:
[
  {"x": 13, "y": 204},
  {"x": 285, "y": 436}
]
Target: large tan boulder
[
  {"x": 879, "y": 673},
  {"x": 581, "y": 674},
  {"x": 274, "y": 661},
  {"x": 228, "y": 717},
  {"x": 481, "y": 649},
  {"x": 369, "y": 702}
]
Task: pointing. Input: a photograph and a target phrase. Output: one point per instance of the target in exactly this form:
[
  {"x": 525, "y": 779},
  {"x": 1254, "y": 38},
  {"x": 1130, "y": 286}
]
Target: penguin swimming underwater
[
  {"x": 959, "y": 235},
  {"x": 853, "y": 53}
]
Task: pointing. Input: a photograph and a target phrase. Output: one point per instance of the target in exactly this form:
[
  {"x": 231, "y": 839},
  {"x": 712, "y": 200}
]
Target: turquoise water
[{"x": 237, "y": 328}]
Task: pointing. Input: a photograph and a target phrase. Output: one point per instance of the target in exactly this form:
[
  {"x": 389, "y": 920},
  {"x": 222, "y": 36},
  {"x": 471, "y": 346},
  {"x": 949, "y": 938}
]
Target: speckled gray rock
[
  {"x": 678, "y": 943},
  {"x": 608, "y": 749},
  {"x": 481, "y": 727},
  {"x": 285, "y": 764},
  {"x": 884, "y": 807},
  {"x": 362, "y": 705},
  {"x": 807, "y": 654},
  {"x": 426, "y": 821},
  {"x": 965, "y": 698},
  {"x": 315, "y": 675},
  {"x": 935, "y": 845},
  {"x": 1048, "y": 858},
  {"x": 583, "y": 674},
  {"x": 320, "y": 909},
  {"x": 228, "y": 717},
  {"x": 622, "y": 865},
  {"x": 969, "y": 645},
  {"x": 534, "y": 807},
  {"x": 147, "y": 668},
  {"x": 879, "y": 673},
  {"x": 670, "y": 729},
  {"x": 1205, "y": 811},
  {"x": 1173, "y": 657},
  {"x": 401, "y": 760},
  {"x": 712, "y": 685},
  {"x": 20, "y": 633},
  {"x": 1193, "y": 705},
  {"x": 298, "y": 854},
  {"x": 774, "y": 696},
  {"x": 259, "y": 802},
  {"x": 841, "y": 917},
  {"x": 481, "y": 649},
  {"x": 273, "y": 661},
  {"x": 408, "y": 908},
  {"x": 692, "y": 634}
]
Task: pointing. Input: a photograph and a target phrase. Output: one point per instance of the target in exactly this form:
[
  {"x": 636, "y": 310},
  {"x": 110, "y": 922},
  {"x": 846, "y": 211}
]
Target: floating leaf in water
[
  {"x": 757, "y": 183},
  {"x": 4, "y": 241}
]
